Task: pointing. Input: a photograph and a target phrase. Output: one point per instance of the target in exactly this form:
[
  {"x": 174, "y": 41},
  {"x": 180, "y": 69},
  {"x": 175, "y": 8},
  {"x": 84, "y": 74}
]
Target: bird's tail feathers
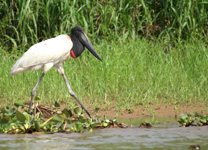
[{"x": 13, "y": 69}]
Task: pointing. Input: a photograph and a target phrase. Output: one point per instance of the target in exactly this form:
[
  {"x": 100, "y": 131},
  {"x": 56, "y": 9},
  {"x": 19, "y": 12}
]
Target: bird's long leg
[
  {"x": 34, "y": 91},
  {"x": 61, "y": 71},
  {"x": 73, "y": 94}
]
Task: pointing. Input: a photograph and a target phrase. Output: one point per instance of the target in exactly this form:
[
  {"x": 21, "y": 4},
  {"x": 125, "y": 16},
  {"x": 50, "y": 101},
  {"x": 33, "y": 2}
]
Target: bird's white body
[
  {"x": 51, "y": 53},
  {"x": 44, "y": 55}
]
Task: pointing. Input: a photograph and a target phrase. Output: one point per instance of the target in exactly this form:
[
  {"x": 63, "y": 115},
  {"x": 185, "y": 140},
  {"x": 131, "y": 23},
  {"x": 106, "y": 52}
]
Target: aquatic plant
[
  {"x": 16, "y": 120},
  {"x": 194, "y": 119}
]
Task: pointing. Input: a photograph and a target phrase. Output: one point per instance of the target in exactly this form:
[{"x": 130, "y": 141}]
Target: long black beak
[{"x": 88, "y": 45}]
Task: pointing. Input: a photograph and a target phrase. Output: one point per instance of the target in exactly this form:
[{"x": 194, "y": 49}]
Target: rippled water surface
[{"x": 166, "y": 135}]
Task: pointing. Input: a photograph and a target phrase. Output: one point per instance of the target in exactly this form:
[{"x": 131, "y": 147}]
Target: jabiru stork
[{"x": 52, "y": 53}]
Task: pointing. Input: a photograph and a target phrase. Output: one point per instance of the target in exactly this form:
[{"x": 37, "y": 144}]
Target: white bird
[{"x": 51, "y": 53}]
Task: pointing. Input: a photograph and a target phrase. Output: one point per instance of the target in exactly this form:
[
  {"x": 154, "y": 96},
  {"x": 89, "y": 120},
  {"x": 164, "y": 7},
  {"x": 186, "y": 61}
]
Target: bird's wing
[{"x": 49, "y": 51}]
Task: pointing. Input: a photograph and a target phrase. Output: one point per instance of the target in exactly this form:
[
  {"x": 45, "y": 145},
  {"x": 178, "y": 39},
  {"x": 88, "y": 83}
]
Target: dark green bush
[{"x": 30, "y": 21}]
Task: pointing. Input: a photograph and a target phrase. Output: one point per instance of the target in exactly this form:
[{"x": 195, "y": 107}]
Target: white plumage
[
  {"x": 44, "y": 55},
  {"x": 51, "y": 53}
]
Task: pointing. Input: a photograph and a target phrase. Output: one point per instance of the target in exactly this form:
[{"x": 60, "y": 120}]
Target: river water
[{"x": 163, "y": 135}]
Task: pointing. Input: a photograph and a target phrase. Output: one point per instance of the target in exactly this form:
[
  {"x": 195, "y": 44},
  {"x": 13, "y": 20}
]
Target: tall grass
[
  {"x": 132, "y": 73},
  {"x": 154, "y": 51},
  {"x": 30, "y": 21}
]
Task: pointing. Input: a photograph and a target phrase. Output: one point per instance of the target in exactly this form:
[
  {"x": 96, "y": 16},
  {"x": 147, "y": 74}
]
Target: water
[{"x": 161, "y": 136}]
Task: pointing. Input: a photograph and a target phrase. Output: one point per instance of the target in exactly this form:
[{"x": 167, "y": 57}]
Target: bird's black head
[{"x": 80, "y": 41}]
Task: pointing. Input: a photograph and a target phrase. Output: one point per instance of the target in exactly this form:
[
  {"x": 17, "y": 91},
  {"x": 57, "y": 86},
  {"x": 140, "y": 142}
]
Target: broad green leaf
[
  {"x": 68, "y": 121},
  {"x": 87, "y": 125},
  {"x": 104, "y": 124},
  {"x": 4, "y": 110},
  {"x": 113, "y": 119},
  {"x": 57, "y": 118},
  {"x": 27, "y": 116},
  {"x": 21, "y": 127},
  {"x": 37, "y": 98},
  {"x": 20, "y": 116},
  {"x": 19, "y": 103},
  {"x": 78, "y": 126},
  {"x": 5, "y": 119},
  {"x": 43, "y": 124},
  {"x": 90, "y": 129},
  {"x": 73, "y": 129},
  {"x": 66, "y": 113},
  {"x": 77, "y": 111},
  {"x": 83, "y": 120},
  {"x": 56, "y": 104},
  {"x": 93, "y": 125},
  {"x": 184, "y": 116},
  {"x": 37, "y": 125}
]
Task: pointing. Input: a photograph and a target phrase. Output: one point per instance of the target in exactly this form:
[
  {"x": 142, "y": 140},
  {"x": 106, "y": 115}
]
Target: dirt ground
[{"x": 157, "y": 110}]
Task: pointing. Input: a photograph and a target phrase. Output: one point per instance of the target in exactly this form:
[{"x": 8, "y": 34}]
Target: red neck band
[
  {"x": 72, "y": 54},
  {"x": 69, "y": 37}
]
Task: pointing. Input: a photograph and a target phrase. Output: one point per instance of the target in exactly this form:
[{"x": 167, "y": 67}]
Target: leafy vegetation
[
  {"x": 17, "y": 120},
  {"x": 154, "y": 51},
  {"x": 194, "y": 119},
  {"x": 30, "y": 21}
]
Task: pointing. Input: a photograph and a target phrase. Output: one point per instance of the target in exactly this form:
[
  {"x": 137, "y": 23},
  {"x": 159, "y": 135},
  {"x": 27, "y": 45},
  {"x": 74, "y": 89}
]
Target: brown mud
[{"x": 157, "y": 110}]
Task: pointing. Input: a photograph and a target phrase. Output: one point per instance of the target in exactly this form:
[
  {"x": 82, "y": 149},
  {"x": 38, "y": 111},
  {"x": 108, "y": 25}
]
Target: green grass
[
  {"x": 132, "y": 73},
  {"x": 30, "y": 21},
  {"x": 153, "y": 51}
]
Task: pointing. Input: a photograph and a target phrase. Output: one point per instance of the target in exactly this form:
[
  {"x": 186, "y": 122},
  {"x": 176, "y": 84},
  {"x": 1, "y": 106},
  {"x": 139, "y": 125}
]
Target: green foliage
[
  {"x": 30, "y": 21},
  {"x": 168, "y": 68},
  {"x": 15, "y": 121},
  {"x": 77, "y": 111},
  {"x": 194, "y": 119},
  {"x": 18, "y": 121},
  {"x": 132, "y": 73}
]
